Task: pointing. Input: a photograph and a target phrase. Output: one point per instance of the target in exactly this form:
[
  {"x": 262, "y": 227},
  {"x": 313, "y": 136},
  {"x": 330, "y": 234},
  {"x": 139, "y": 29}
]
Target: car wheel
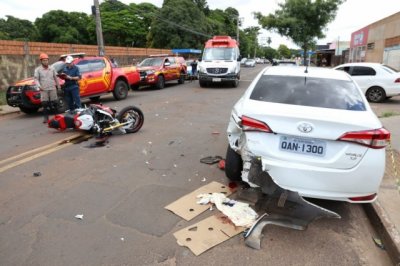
[
  {"x": 95, "y": 99},
  {"x": 376, "y": 94},
  {"x": 235, "y": 83},
  {"x": 28, "y": 110},
  {"x": 120, "y": 90},
  {"x": 181, "y": 79},
  {"x": 233, "y": 165},
  {"x": 160, "y": 83}
]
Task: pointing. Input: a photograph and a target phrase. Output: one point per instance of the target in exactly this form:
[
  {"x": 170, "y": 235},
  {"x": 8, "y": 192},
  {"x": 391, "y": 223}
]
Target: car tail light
[
  {"x": 251, "y": 124},
  {"x": 364, "y": 198},
  {"x": 397, "y": 80},
  {"x": 375, "y": 139}
]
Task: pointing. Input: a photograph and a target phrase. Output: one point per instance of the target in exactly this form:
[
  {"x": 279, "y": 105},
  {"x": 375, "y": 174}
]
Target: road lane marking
[{"x": 41, "y": 151}]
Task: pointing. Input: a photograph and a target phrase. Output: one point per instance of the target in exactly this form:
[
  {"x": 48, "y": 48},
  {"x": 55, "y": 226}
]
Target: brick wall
[{"x": 18, "y": 59}]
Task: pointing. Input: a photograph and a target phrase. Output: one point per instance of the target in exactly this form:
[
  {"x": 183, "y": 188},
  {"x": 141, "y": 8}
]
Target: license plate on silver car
[
  {"x": 303, "y": 146},
  {"x": 216, "y": 79}
]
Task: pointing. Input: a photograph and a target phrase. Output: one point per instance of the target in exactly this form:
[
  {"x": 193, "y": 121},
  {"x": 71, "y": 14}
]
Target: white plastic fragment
[
  {"x": 204, "y": 179},
  {"x": 79, "y": 216},
  {"x": 175, "y": 166},
  {"x": 150, "y": 142},
  {"x": 147, "y": 162},
  {"x": 240, "y": 213},
  {"x": 122, "y": 239}
]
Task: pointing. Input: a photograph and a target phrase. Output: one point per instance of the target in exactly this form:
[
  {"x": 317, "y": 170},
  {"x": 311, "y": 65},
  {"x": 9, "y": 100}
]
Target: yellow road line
[
  {"x": 39, "y": 152},
  {"x": 39, "y": 149}
]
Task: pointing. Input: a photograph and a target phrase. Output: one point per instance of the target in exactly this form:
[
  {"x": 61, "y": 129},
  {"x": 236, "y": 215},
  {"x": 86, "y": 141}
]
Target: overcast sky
[{"x": 351, "y": 16}]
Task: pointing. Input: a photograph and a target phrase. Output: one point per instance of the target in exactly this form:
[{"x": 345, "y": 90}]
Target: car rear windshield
[{"x": 306, "y": 91}]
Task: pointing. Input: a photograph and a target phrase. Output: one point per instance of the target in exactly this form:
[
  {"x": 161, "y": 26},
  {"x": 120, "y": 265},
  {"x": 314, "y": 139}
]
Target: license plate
[
  {"x": 302, "y": 146},
  {"x": 216, "y": 79}
]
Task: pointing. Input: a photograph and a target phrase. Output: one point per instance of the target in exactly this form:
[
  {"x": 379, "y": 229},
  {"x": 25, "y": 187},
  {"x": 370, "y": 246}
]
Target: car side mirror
[
  {"x": 167, "y": 64},
  {"x": 239, "y": 58},
  {"x": 199, "y": 60}
]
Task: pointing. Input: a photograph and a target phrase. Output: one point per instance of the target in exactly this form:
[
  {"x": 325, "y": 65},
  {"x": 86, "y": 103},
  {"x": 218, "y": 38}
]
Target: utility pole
[
  {"x": 99, "y": 31},
  {"x": 238, "y": 20}
]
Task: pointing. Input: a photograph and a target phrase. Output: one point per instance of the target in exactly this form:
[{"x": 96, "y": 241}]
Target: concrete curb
[{"x": 386, "y": 229}]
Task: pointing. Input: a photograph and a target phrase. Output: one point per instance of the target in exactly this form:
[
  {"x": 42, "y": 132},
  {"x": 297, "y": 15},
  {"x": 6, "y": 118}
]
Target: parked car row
[{"x": 101, "y": 76}]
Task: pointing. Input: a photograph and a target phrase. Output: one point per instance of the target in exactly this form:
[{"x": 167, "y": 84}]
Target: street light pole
[
  {"x": 99, "y": 31},
  {"x": 238, "y": 20}
]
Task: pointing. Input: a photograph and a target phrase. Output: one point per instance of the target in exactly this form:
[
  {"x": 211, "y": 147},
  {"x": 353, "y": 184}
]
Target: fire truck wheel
[
  {"x": 120, "y": 90},
  {"x": 160, "y": 83}
]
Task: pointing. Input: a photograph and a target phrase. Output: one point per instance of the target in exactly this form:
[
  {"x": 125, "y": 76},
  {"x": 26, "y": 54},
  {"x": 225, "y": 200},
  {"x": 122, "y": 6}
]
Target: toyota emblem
[{"x": 305, "y": 127}]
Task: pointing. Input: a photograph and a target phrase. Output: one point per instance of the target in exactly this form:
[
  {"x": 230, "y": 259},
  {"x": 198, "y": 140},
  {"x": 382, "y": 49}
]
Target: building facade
[{"x": 378, "y": 42}]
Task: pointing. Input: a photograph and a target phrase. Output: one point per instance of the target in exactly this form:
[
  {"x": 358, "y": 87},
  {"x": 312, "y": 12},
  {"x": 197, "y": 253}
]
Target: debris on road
[
  {"x": 240, "y": 213},
  {"x": 215, "y": 133},
  {"x": 211, "y": 159},
  {"x": 36, "y": 174},
  {"x": 204, "y": 179},
  {"x": 187, "y": 208},
  {"x": 79, "y": 216},
  {"x": 378, "y": 243},
  {"x": 207, "y": 233},
  {"x": 221, "y": 164}
]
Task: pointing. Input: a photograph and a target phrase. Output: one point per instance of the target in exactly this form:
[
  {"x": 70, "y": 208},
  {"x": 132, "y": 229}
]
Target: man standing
[
  {"x": 194, "y": 68},
  {"x": 46, "y": 78},
  {"x": 71, "y": 86}
]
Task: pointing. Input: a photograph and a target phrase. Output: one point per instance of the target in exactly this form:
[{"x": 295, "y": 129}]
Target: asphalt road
[{"x": 122, "y": 188}]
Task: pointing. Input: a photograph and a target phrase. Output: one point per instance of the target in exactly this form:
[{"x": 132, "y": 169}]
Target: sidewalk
[
  {"x": 6, "y": 109},
  {"x": 384, "y": 213}
]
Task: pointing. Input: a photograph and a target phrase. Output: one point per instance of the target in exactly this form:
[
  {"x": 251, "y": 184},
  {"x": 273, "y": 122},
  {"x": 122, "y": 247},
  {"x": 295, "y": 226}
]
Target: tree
[
  {"x": 178, "y": 24},
  {"x": 64, "y": 27},
  {"x": 284, "y": 51},
  {"x": 270, "y": 53},
  {"x": 301, "y": 20},
  {"x": 14, "y": 28}
]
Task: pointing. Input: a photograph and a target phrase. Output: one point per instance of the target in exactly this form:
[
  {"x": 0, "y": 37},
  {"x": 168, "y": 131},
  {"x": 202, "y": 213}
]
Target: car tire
[
  {"x": 120, "y": 90},
  {"x": 160, "y": 83},
  {"x": 235, "y": 83},
  {"x": 233, "y": 165},
  {"x": 28, "y": 110},
  {"x": 375, "y": 94},
  {"x": 181, "y": 79},
  {"x": 94, "y": 99}
]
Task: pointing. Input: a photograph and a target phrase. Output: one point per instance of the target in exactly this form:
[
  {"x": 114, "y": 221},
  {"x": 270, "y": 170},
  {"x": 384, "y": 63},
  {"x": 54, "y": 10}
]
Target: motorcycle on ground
[{"x": 100, "y": 120}]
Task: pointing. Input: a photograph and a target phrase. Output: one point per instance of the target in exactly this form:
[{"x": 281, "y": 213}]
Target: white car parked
[
  {"x": 377, "y": 81},
  {"x": 313, "y": 132}
]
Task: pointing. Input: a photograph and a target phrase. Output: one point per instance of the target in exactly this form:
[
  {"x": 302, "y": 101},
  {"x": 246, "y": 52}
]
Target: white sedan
[
  {"x": 312, "y": 131},
  {"x": 377, "y": 81}
]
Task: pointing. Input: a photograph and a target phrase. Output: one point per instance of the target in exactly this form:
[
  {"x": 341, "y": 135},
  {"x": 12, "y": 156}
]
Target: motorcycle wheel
[{"x": 131, "y": 114}]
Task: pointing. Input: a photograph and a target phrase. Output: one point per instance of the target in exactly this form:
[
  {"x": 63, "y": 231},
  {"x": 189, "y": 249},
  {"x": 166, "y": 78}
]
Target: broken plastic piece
[
  {"x": 378, "y": 243},
  {"x": 211, "y": 159},
  {"x": 79, "y": 216}
]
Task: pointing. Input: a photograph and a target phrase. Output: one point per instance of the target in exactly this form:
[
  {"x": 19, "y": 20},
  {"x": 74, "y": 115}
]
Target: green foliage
[
  {"x": 301, "y": 20},
  {"x": 14, "y": 28},
  {"x": 64, "y": 27},
  {"x": 269, "y": 53},
  {"x": 178, "y": 24},
  {"x": 284, "y": 51}
]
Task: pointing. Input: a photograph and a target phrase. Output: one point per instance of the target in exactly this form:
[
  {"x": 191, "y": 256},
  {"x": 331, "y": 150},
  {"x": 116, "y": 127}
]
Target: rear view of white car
[
  {"x": 313, "y": 132},
  {"x": 378, "y": 82}
]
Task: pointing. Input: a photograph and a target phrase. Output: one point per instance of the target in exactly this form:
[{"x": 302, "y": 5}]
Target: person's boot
[{"x": 45, "y": 112}]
